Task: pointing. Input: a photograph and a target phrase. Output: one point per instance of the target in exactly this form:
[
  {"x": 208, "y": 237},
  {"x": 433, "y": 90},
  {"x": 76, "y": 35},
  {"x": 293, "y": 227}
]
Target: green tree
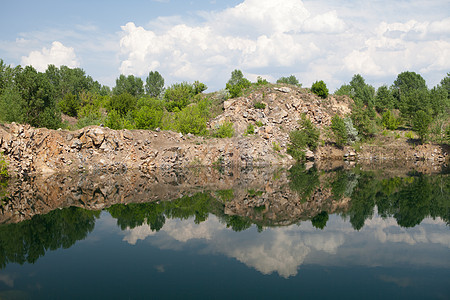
[
  {"x": 178, "y": 96},
  {"x": 199, "y": 87},
  {"x": 154, "y": 84},
  {"x": 339, "y": 131},
  {"x": 320, "y": 89},
  {"x": 122, "y": 103},
  {"x": 320, "y": 221},
  {"x": 11, "y": 105},
  {"x": 390, "y": 121},
  {"x": 384, "y": 100},
  {"x": 361, "y": 91},
  {"x": 445, "y": 83},
  {"x": 411, "y": 94},
  {"x": 237, "y": 83},
  {"x": 39, "y": 99},
  {"x": 129, "y": 84},
  {"x": 345, "y": 89},
  {"x": 439, "y": 101},
  {"x": 289, "y": 80},
  {"x": 306, "y": 136},
  {"x": 421, "y": 123}
]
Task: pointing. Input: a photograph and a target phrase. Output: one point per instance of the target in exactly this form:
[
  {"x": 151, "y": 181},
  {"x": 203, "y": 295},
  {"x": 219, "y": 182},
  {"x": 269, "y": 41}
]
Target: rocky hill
[{"x": 39, "y": 150}]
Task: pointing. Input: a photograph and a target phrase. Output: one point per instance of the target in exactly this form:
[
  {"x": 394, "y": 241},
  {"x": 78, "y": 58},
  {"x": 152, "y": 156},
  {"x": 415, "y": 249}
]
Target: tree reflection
[{"x": 29, "y": 240}]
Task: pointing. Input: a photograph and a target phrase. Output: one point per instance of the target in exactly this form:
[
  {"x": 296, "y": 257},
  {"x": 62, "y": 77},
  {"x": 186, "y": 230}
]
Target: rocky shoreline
[{"x": 42, "y": 151}]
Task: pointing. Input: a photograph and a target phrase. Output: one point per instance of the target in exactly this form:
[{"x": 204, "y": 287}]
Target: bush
[
  {"x": 259, "y": 105},
  {"x": 122, "y": 103},
  {"x": 390, "y": 121},
  {"x": 224, "y": 131},
  {"x": 289, "y": 80},
  {"x": 250, "y": 129},
  {"x": 261, "y": 81},
  {"x": 421, "y": 122},
  {"x": 352, "y": 133},
  {"x": 191, "y": 120},
  {"x": 320, "y": 89},
  {"x": 306, "y": 136},
  {"x": 148, "y": 118},
  {"x": 178, "y": 96},
  {"x": 237, "y": 83},
  {"x": 199, "y": 87},
  {"x": 3, "y": 168},
  {"x": 339, "y": 131}
]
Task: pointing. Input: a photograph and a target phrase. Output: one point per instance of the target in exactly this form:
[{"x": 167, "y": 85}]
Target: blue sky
[{"x": 205, "y": 40}]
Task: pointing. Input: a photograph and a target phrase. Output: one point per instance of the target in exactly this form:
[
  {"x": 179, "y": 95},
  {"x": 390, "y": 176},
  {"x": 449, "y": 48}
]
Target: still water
[{"x": 298, "y": 233}]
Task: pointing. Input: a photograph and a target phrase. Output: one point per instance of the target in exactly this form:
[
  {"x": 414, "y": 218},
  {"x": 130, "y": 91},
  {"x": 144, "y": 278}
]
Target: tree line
[{"x": 40, "y": 99}]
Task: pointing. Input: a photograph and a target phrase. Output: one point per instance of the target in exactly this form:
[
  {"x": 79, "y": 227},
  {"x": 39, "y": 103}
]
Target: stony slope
[{"x": 39, "y": 150}]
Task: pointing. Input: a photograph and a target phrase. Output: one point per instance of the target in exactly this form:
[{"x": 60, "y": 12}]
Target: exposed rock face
[{"x": 39, "y": 150}]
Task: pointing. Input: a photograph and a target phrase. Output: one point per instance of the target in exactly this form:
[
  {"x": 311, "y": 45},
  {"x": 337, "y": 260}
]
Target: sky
[{"x": 205, "y": 40}]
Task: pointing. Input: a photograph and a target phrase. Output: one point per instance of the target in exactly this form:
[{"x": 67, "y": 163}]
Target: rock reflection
[{"x": 42, "y": 214}]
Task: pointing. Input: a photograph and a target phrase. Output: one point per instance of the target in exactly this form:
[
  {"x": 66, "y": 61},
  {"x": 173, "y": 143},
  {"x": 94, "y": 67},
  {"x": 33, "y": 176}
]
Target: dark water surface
[{"x": 298, "y": 233}]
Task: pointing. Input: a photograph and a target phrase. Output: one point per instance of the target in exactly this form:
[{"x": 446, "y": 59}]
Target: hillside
[{"x": 38, "y": 150}]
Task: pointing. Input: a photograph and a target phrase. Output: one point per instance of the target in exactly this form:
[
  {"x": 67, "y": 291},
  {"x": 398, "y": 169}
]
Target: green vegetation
[
  {"x": 3, "y": 168},
  {"x": 224, "y": 131},
  {"x": 259, "y": 105},
  {"x": 237, "y": 83},
  {"x": 250, "y": 129},
  {"x": 289, "y": 80},
  {"x": 40, "y": 99},
  {"x": 306, "y": 136},
  {"x": 339, "y": 131},
  {"x": 320, "y": 89},
  {"x": 390, "y": 121}
]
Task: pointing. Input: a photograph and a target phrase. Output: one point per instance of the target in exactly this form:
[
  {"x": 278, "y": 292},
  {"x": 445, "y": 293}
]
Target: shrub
[
  {"x": 178, "y": 96},
  {"x": 259, "y": 105},
  {"x": 199, "y": 87},
  {"x": 122, "y": 103},
  {"x": 289, "y": 80},
  {"x": 148, "y": 118},
  {"x": 352, "y": 133},
  {"x": 224, "y": 131},
  {"x": 237, "y": 83},
  {"x": 409, "y": 135},
  {"x": 339, "y": 131},
  {"x": 250, "y": 129},
  {"x": 191, "y": 120},
  {"x": 259, "y": 124},
  {"x": 306, "y": 136},
  {"x": 261, "y": 81},
  {"x": 320, "y": 89},
  {"x": 421, "y": 122},
  {"x": 3, "y": 168},
  {"x": 276, "y": 147},
  {"x": 69, "y": 105},
  {"x": 390, "y": 121}
]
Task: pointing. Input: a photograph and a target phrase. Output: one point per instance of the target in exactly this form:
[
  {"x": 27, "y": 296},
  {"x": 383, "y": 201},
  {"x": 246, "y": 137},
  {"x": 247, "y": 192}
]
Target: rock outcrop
[{"x": 39, "y": 150}]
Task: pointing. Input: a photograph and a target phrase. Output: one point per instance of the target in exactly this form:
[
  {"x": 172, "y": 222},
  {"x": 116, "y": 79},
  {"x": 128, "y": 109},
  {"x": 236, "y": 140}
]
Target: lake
[{"x": 304, "y": 232}]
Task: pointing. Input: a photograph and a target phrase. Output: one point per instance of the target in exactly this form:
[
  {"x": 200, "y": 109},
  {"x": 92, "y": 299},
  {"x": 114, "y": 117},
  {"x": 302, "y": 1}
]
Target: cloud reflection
[{"x": 284, "y": 249}]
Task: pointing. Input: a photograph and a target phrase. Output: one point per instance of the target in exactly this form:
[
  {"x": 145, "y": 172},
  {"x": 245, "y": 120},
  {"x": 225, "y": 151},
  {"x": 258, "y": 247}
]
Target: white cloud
[
  {"x": 264, "y": 37},
  {"x": 57, "y": 55},
  {"x": 252, "y": 35},
  {"x": 397, "y": 47}
]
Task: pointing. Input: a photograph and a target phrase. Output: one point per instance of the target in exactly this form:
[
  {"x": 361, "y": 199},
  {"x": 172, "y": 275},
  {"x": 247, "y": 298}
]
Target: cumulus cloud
[
  {"x": 397, "y": 47},
  {"x": 269, "y": 37},
  {"x": 252, "y": 35},
  {"x": 57, "y": 55}
]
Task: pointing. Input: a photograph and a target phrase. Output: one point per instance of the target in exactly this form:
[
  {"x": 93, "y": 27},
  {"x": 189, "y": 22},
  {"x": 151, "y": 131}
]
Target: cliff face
[{"x": 38, "y": 150}]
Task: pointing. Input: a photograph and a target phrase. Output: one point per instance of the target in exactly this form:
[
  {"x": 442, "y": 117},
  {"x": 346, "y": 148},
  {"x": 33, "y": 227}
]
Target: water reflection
[{"x": 299, "y": 213}]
